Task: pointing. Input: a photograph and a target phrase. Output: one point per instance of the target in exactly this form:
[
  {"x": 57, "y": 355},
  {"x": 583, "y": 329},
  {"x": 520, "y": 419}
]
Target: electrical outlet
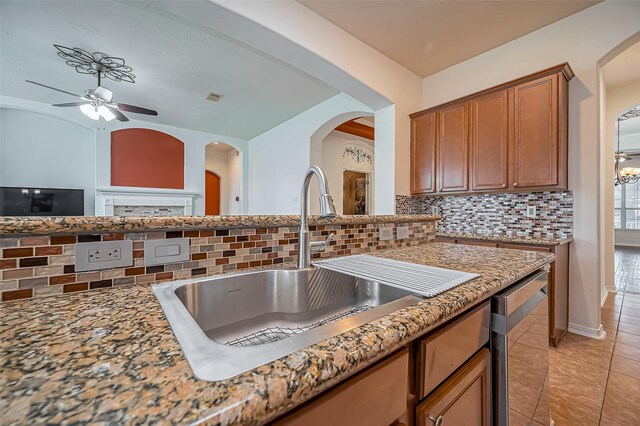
[
  {"x": 434, "y": 210},
  {"x": 386, "y": 233},
  {"x": 103, "y": 255},
  {"x": 402, "y": 232},
  {"x": 531, "y": 211}
]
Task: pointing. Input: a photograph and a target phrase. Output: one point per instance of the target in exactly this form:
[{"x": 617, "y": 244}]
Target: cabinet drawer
[
  {"x": 464, "y": 399},
  {"x": 377, "y": 396},
  {"x": 441, "y": 353}
]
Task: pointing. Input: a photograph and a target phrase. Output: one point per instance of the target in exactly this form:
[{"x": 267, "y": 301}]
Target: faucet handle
[{"x": 317, "y": 246}]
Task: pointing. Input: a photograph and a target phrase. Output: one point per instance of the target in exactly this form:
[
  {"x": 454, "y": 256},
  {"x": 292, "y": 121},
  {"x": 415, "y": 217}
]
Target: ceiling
[
  {"x": 624, "y": 69},
  {"x": 427, "y": 36},
  {"x": 177, "y": 63}
]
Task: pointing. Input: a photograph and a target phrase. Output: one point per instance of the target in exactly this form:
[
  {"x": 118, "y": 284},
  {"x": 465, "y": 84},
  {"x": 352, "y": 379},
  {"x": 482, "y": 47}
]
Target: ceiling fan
[{"x": 98, "y": 102}]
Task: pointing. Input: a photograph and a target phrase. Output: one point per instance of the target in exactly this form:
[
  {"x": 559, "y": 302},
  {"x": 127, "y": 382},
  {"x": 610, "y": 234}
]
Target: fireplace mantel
[{"x": 108, "y": 199}]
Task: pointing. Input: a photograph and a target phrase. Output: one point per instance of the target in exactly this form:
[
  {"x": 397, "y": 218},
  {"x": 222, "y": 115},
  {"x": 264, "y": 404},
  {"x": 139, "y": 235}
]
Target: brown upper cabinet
[
  {"x": 507, "y": 138},
  {"x": 423, "y": 154},
  {"x": 489, "y": 141},
  {"x": 453, "y": 148}
]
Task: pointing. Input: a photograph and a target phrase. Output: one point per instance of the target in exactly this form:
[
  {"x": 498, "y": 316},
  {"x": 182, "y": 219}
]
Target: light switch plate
[
  {"x": 159, "y": 252},
  {"x": 386, "y": 233},
  {"x": 402, "y": 232},
  {"x": 531, "y": 211},
  {"x": 103, "y": 255},
  {"x": 434, "y": 210}
]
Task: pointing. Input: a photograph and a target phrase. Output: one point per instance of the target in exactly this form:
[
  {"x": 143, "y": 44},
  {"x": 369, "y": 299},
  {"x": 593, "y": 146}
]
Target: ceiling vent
[{"x": 213, "y": 97}]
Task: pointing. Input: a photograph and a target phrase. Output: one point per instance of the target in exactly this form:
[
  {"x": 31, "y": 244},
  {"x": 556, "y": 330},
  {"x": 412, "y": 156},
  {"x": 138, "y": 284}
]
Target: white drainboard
[{"x": 427, "y": 281}]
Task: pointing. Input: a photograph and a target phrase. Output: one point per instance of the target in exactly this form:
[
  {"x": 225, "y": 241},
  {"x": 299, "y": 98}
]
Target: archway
[
  {"x": 352, "y": 175},
  {"x": 607, "y": 111},
  {"x": 223, "y": 179}
]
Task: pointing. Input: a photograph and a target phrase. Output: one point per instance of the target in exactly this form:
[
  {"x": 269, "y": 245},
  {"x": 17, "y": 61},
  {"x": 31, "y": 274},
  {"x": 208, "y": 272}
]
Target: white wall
[
  {"x": 280, "y": 157},
  {"x": 627, "y": 238},
  {"x": 582, "y": 40},
  {"x": 234, "y": 162},
  {"x": 334, "y": 163},
  {"x": 38, "y": 150}
]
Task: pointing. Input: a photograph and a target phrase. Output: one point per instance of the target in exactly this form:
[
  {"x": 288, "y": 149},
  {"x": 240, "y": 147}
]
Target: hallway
[{"x": 598, "y": 382}]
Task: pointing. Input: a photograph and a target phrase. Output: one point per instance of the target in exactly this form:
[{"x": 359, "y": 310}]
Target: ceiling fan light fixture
[
  {"x": 90, "y": 111},
  {"x": 103, "y": 93},
  {"x": 106, "y": 113}
]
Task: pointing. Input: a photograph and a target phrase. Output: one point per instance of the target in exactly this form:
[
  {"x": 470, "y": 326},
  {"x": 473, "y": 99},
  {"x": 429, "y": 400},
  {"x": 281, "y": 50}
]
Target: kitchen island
[{"x": 110, "y": 356}]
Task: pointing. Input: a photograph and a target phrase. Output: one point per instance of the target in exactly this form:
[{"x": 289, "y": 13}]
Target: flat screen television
[{"x": 26, "y": 201}]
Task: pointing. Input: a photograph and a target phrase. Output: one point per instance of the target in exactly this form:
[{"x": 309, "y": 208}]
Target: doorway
[
  {"x": 355, "y": 191},
  {"x": 212, "y": 193},
  {"x": 222, "y": 179}
]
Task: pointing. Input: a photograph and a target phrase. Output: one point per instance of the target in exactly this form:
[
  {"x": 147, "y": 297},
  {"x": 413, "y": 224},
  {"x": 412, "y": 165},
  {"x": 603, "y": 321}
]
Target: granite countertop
[
  {"x": 110, "y": 356},
  {"x": 506, "y": 238},
  {"x": 38, "y": 225}
]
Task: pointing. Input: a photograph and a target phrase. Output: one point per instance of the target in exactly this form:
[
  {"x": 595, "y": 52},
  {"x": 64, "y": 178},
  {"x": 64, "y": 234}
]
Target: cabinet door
[
  {"x": 453, "y": 147},
  {"x": 489, "y": 141},
  {"x": 423, "y": 154},
  {"x": 534, "y": 147},
  {"x": 376, "y": 397},
  {"x": 464, "y": 399}
]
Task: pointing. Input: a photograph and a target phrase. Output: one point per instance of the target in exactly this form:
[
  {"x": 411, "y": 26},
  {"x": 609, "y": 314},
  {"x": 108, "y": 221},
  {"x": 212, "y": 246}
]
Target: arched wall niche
[{"x": 146, "y": 158}]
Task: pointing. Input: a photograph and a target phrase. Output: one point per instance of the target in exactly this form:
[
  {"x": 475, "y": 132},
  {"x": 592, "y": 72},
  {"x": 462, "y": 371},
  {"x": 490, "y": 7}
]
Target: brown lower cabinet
[
  {"x": 558, "y": 281},
  {"x": 444, "y": 375},
  {"x": 463, "y": 399}
]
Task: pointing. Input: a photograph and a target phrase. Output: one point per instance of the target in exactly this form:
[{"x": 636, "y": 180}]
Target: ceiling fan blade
[
  {"x": 71, "y": 104},
  {"x": 52, "y": 88},
  {"x": 136, "y": 109},
  {"x": 119, "y": 116}
]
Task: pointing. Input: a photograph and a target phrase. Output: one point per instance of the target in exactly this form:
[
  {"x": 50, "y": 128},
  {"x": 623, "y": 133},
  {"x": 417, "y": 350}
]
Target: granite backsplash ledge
[
  {"x": 31, "y": 225},
  {"x": 44, "y": 265},
  {"x": 498, "y": 213}
]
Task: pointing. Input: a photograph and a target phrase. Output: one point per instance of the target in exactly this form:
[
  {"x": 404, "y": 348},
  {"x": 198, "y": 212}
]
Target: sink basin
[{"x": 236, "y": 322}]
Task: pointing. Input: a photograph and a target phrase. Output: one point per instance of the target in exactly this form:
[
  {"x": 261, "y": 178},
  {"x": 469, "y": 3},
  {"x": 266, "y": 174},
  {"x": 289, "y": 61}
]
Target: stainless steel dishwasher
[{"x": 520, "y": 352}]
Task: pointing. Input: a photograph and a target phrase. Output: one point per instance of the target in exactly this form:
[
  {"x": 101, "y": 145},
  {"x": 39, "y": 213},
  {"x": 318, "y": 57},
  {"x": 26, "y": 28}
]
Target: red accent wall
[{"x": 146, "y": 158}]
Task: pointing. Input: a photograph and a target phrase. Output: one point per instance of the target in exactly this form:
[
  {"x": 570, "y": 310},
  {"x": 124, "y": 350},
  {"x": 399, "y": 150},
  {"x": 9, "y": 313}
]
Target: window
[{"x": 627, "y": 206}]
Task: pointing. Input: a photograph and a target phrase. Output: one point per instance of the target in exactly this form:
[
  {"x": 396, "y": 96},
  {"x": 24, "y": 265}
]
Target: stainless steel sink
[{"x": 235, "y": 322}]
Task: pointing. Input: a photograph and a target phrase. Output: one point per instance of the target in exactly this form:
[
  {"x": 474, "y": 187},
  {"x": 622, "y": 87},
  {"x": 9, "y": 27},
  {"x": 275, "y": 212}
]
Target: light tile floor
[{"x": 597, "y": 382}]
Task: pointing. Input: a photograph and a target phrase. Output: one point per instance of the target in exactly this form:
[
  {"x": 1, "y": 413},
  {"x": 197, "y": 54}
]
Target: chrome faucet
[{"x": 326, "y": 210}]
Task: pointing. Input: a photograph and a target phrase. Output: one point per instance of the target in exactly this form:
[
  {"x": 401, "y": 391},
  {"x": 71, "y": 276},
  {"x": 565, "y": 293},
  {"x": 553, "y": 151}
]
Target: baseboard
[{"x": 598, "y": 334}]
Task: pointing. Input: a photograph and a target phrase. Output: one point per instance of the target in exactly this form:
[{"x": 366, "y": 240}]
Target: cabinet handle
[
  {"x": 504, "y": 185},
  {"x": 515, "y": 184},
  {"x": 438, "y": 421}
]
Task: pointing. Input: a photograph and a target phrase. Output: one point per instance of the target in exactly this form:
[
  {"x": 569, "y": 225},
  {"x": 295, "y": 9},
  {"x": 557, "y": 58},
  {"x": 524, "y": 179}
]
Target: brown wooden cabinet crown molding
[
  {"x": 564, "y": 68},
  {"x": 357, "y": 129}
]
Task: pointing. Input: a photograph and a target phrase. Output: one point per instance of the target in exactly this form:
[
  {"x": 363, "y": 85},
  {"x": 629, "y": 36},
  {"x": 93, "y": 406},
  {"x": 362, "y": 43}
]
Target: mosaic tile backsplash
[
  {"x": 498, "y": 213},
  {"x": 37, "y": 266}
]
